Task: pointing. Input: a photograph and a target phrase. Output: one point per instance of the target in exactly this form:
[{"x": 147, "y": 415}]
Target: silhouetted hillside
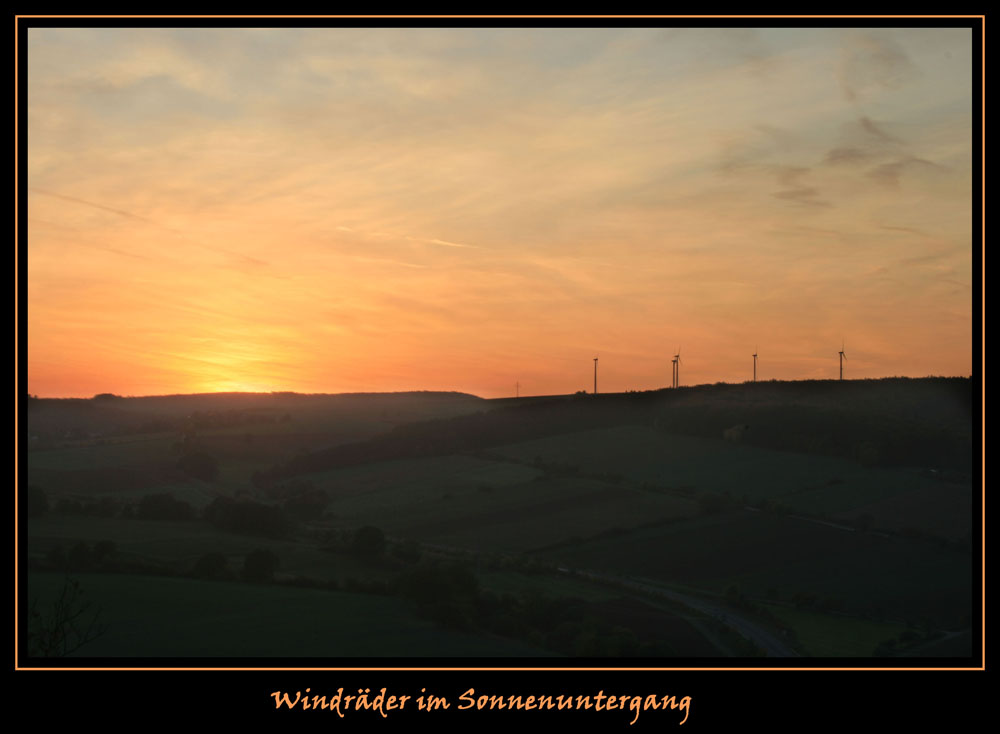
[
  {"x": 894, "y": 421},
  {"x": 57, "y": 419}
]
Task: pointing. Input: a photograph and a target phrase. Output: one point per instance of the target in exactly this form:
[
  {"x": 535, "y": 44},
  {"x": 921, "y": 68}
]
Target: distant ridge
[
  {"x": 109, "y": 397},
  {"x": 888, "y": 421}
]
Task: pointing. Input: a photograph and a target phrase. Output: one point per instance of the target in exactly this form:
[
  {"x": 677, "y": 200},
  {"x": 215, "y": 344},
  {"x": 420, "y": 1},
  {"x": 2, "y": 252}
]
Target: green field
[
  {"x": 832, "y": 636},
  {"x": 178, "y": 546},
  {"x": 853, "y": 534},
  {"x": 168, "y": 617},
  {"x": 763, "y": 553},
  {"x": 489, "y": 505}
]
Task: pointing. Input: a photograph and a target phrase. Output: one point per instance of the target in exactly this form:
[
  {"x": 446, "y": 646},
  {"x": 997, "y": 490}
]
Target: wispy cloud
[
  {"x": 302, "y": 193},
  {"x": 889, "y": 174},
  {"x": 838, "y": 156},
  {"x": 445, "y": 243},
  {"x": 789, "y": 177},
  {"x": 873, "y": 61},
  {"x": 102, "y": 207},
  {"x": 873, "y": 129},
  {"x": 384, "y": 261},
  {"x": 246, "y": 259}
]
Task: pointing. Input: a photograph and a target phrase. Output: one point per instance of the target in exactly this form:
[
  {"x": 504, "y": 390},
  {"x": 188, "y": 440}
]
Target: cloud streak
[
  {"x": 871, "y": 62},
  {"x": 245, "y": 259},
  {"x": 365, "y": 197}
]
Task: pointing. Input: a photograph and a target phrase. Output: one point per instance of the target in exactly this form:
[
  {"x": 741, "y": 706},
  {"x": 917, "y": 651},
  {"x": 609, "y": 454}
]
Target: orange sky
[{"x": 331, "y": 210}]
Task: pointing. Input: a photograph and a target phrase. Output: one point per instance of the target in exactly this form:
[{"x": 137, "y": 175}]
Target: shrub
[
  {"x": 164, "y": 507},
  {"x": 38, "y": 503},
  {"x": 199, "y": 465},
  {"x": 369, "y": 542},
  {"x": 260, "y": 565},
  {"x": 408, "y": 551},
  {"x": 431, "y": 583},
  {"x": 211, "y": 566},
  {"x": 306, "y": 503},
  {"x": 79, "y": 557},
  {"x": 64, "y": 626},
  {"x": 105, "y": 550},
  {"x": 247, "y": 517}
]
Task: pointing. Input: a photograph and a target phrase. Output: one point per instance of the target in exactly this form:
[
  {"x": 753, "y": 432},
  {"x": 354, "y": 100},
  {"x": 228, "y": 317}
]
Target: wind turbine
[
  {"x": 595, "y": 375},
  {"x": 842, "y": 358},
  {"x": 755, "y": 363},
  {"x": 677, "y": 370}
]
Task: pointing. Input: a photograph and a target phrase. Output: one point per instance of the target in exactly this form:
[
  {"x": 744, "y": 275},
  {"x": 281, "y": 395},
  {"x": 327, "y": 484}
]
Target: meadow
[
  {"x": 548, "y": 524},
  {"x": 169, "y": 617}
]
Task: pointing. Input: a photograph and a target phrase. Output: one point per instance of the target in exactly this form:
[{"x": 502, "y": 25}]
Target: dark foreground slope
[
  {"x": 839, "y": 508},
  {"x": 821, "y": 519}
]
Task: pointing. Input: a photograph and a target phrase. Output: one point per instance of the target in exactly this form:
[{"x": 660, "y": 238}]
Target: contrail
[
  {"x": 121, "y": 212},
  {"x": 130, "y": 215},
  {"x": 452, "y": 244}
]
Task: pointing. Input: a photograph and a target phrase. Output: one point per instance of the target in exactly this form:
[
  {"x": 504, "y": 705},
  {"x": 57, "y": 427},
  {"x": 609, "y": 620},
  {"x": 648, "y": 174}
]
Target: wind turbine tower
[
  {"x": 842, "y": 358},
  {"x": 595, "y": 375},
  {"x": 755, "y": 364},
  {"x": 677, "y": 370}
]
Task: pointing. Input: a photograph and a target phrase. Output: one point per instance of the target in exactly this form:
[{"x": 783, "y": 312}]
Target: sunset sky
[{"x": 341, "y": 210}]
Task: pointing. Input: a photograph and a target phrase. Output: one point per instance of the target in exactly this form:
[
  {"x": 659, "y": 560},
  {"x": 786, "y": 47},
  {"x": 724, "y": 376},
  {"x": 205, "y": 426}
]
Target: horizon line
[{"x": 110, "y": 395}]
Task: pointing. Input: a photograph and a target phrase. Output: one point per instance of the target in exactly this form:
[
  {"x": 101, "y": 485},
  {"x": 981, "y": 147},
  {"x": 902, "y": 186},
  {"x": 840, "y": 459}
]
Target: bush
[
  {"x": 259, "y": 566},
  {"x": 432, "y": 583},
  {"x": 247, "y": 517},
  {"x": 164, "y": 507},
  {"x": 105, "y": 550},
  {"x": 369, "y": 542},
  {"x": 199, "y": 465},
  {"x": 38, "y": 503},
  {"x": 306, "y": 503},
  {"x": 211, "y": 566},
  {"x": 79, "y": 557},
  {"x": 67, "y": 506},
  {"x": 64, "y": 626},
  {"x": 104, "y": 507},
  {"x": 56, "y": 558},
  {"x": 711, "y": 503},
  {"x": 408, "y": 551}
]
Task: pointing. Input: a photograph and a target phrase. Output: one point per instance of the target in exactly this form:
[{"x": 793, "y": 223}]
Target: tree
[
  {"x": 369, "y": 542},
  {"x": 199, "y": 465},
  {"x": 211, "y": 566},
  {"x": 79, "y": 557},
  {"x": 260, "y": 565},
  {"x": 38, "y": 503},
  {"x": 303, "y": 500},
  {"x": 164, "y": 507},
  {"x": 68, "y": 624},
  {"x": 105, "y": 550},
  {"x": 247, "y": 517}
]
